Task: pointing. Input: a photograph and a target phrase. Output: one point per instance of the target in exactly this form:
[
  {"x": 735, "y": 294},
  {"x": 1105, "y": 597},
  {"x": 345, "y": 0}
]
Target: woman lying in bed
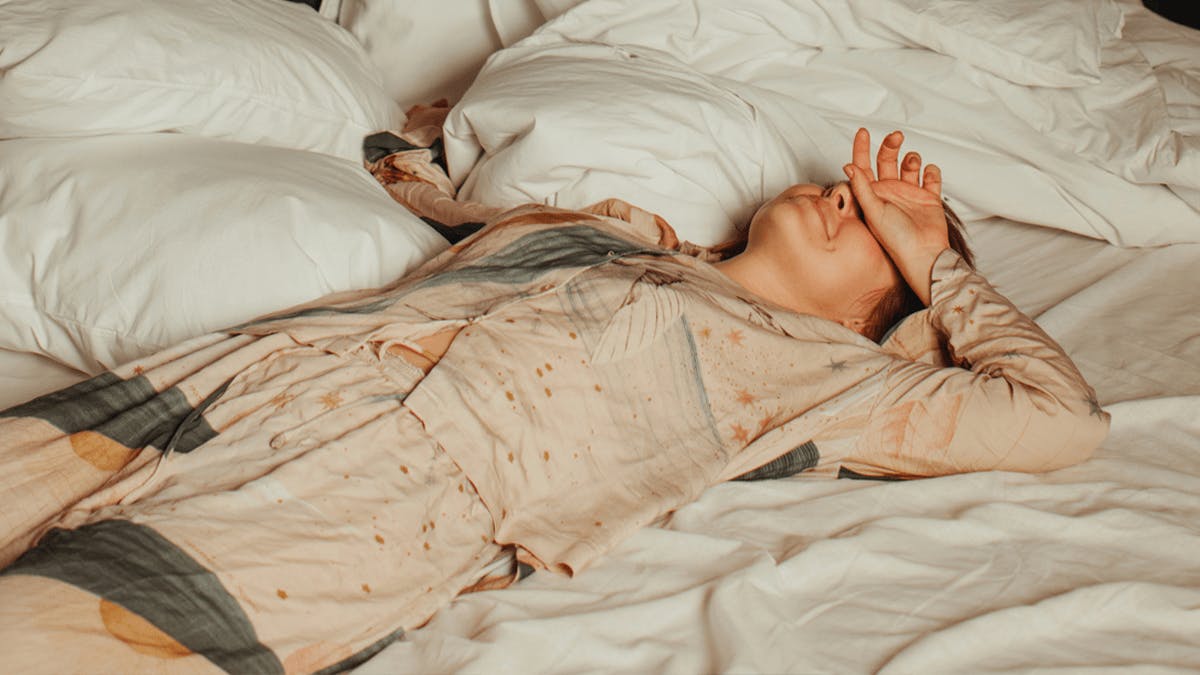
[{"x": 292, "y": 494}]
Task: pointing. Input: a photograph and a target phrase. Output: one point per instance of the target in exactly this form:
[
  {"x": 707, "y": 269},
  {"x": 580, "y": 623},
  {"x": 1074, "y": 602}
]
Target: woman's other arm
[{"x": 1015, "y": 401}]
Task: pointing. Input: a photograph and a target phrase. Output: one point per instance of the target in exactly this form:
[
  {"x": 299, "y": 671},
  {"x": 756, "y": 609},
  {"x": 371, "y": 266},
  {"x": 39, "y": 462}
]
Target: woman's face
[{"x": 830, "y": 256}]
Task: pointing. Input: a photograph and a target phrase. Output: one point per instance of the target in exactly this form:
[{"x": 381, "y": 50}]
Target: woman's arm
[{"x": 1015, "y": 401}]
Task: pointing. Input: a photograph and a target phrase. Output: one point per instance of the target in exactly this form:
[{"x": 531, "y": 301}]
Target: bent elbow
[
  {"x": 1067, "y": 436},
  {"x": 1092, "y": 429}
]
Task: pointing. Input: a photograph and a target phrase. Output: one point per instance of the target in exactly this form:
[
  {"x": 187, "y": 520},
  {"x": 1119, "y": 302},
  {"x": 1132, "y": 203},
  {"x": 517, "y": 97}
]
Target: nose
[{"x": 842, "y": 199}]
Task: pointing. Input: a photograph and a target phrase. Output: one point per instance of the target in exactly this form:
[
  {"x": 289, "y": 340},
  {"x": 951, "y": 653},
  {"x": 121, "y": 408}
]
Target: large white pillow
[
  {"x": 113, "y": 247},
  {"x": 258, "y": 71},
  {"x": 573, "y": 124},
  {"x": 1029, "y": 42},
  {"x": 431, "y": 49}
]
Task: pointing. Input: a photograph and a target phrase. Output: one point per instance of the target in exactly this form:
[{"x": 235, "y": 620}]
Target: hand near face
[{"x": 902, "y": 206}]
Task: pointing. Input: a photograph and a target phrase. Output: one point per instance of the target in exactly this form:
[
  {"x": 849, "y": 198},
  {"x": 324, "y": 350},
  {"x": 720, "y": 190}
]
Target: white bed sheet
[
  {"x": 25, "y": 375},
  {"x": 1090, "y": 567}
]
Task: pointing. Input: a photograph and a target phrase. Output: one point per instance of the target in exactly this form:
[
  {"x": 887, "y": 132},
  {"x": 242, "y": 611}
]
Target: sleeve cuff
[{"x": 949, "y": 270}]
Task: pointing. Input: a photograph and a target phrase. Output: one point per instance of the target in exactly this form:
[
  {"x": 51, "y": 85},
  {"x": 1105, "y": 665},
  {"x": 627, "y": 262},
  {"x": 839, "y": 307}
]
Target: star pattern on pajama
[
  {"x": 741, "y": 433},
  {"x": 331, "y": 400},
  {"x": 281, "y": 400}
]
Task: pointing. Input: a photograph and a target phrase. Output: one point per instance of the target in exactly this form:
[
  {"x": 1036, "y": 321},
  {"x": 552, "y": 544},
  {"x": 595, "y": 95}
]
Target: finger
[
  {"x": 910, "y": 168},
  {"x": 889, "y": 153},
  {"x": 862, "y": 151},
  {"x": 933, "y": 180},
  {"x": 860, "y": 185}
]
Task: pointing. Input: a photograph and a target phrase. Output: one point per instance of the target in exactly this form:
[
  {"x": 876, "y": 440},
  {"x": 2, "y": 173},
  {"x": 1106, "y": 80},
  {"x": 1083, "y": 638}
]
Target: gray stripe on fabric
[
  {"x": 84, "y": 405},
  {"x": 532, "y": 255},
  {"x": 49, "y": 400},
  {"x": 129, "y": 412},
  {"x": 843, "y": 472},
  {"x": 362, "y": 655},
  {"x": 801, "y": 458},
  {"x": 193, "y": 431},
  {"x": 696, "y": 372},
  {"x": 529, "y": 257},
  {"x": 137, "y": 568}
]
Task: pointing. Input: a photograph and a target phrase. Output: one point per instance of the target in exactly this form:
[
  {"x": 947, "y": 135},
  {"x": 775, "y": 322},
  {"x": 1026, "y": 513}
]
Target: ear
[{"x": 856, "y": 324}]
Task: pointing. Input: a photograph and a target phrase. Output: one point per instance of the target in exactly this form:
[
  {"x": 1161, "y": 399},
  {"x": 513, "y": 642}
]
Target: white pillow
[
  {"x": 424, "y": 49},
  {"x": 573, "y": 124},
  {"x": 432, "y": 49},
  {"x": 1030, "y": 42},
  {"x": 113, "y": 247},
  {"x": 258, "y": 71}
]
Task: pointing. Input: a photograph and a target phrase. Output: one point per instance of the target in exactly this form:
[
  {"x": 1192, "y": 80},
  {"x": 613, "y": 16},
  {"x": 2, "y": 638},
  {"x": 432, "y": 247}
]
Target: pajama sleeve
[{"x": 1014, "y": 401}]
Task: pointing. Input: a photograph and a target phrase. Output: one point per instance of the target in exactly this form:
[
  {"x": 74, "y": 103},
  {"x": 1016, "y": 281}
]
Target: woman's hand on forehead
[{"x": 902, "y": 206}]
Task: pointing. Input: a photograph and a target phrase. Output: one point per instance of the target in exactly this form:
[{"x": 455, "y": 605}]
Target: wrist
[{"x": 918, "y": 272}]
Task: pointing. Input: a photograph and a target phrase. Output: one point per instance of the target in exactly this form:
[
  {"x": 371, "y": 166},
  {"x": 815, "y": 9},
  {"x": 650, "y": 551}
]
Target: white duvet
[{"x": 1092, "y": 568}]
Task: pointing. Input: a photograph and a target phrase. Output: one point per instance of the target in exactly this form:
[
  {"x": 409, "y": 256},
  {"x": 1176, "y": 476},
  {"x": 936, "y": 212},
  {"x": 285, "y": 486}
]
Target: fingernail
[{"x": 849, "y": 170}]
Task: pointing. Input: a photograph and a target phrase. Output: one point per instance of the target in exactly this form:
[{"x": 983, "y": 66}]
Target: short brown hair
[{"x": 901, "y": 301}]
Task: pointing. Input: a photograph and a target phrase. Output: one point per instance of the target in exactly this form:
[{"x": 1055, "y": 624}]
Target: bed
[{"x": 206, "y": 168}]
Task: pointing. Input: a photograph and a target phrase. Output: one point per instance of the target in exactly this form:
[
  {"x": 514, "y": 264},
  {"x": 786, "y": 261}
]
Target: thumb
[{"x": 860, "y": 185}]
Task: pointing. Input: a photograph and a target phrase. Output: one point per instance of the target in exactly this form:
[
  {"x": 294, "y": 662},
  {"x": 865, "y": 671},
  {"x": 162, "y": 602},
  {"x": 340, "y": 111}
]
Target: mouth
[
  {"x": 819, "y": 200},
  {"x": 824, "y": 211}
]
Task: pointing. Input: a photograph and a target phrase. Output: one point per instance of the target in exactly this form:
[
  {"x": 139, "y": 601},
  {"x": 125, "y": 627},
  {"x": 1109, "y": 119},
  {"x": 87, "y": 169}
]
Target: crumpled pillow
[
  {"x": 256, "y": 71},
  {"x": 1028, "y": 42},
  {"x": 114, "y": 247}
]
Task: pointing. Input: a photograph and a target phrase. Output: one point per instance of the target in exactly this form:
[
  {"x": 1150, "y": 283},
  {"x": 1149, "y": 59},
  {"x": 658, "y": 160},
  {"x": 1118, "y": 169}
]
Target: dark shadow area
[{"x": 1186, "y": 12}]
